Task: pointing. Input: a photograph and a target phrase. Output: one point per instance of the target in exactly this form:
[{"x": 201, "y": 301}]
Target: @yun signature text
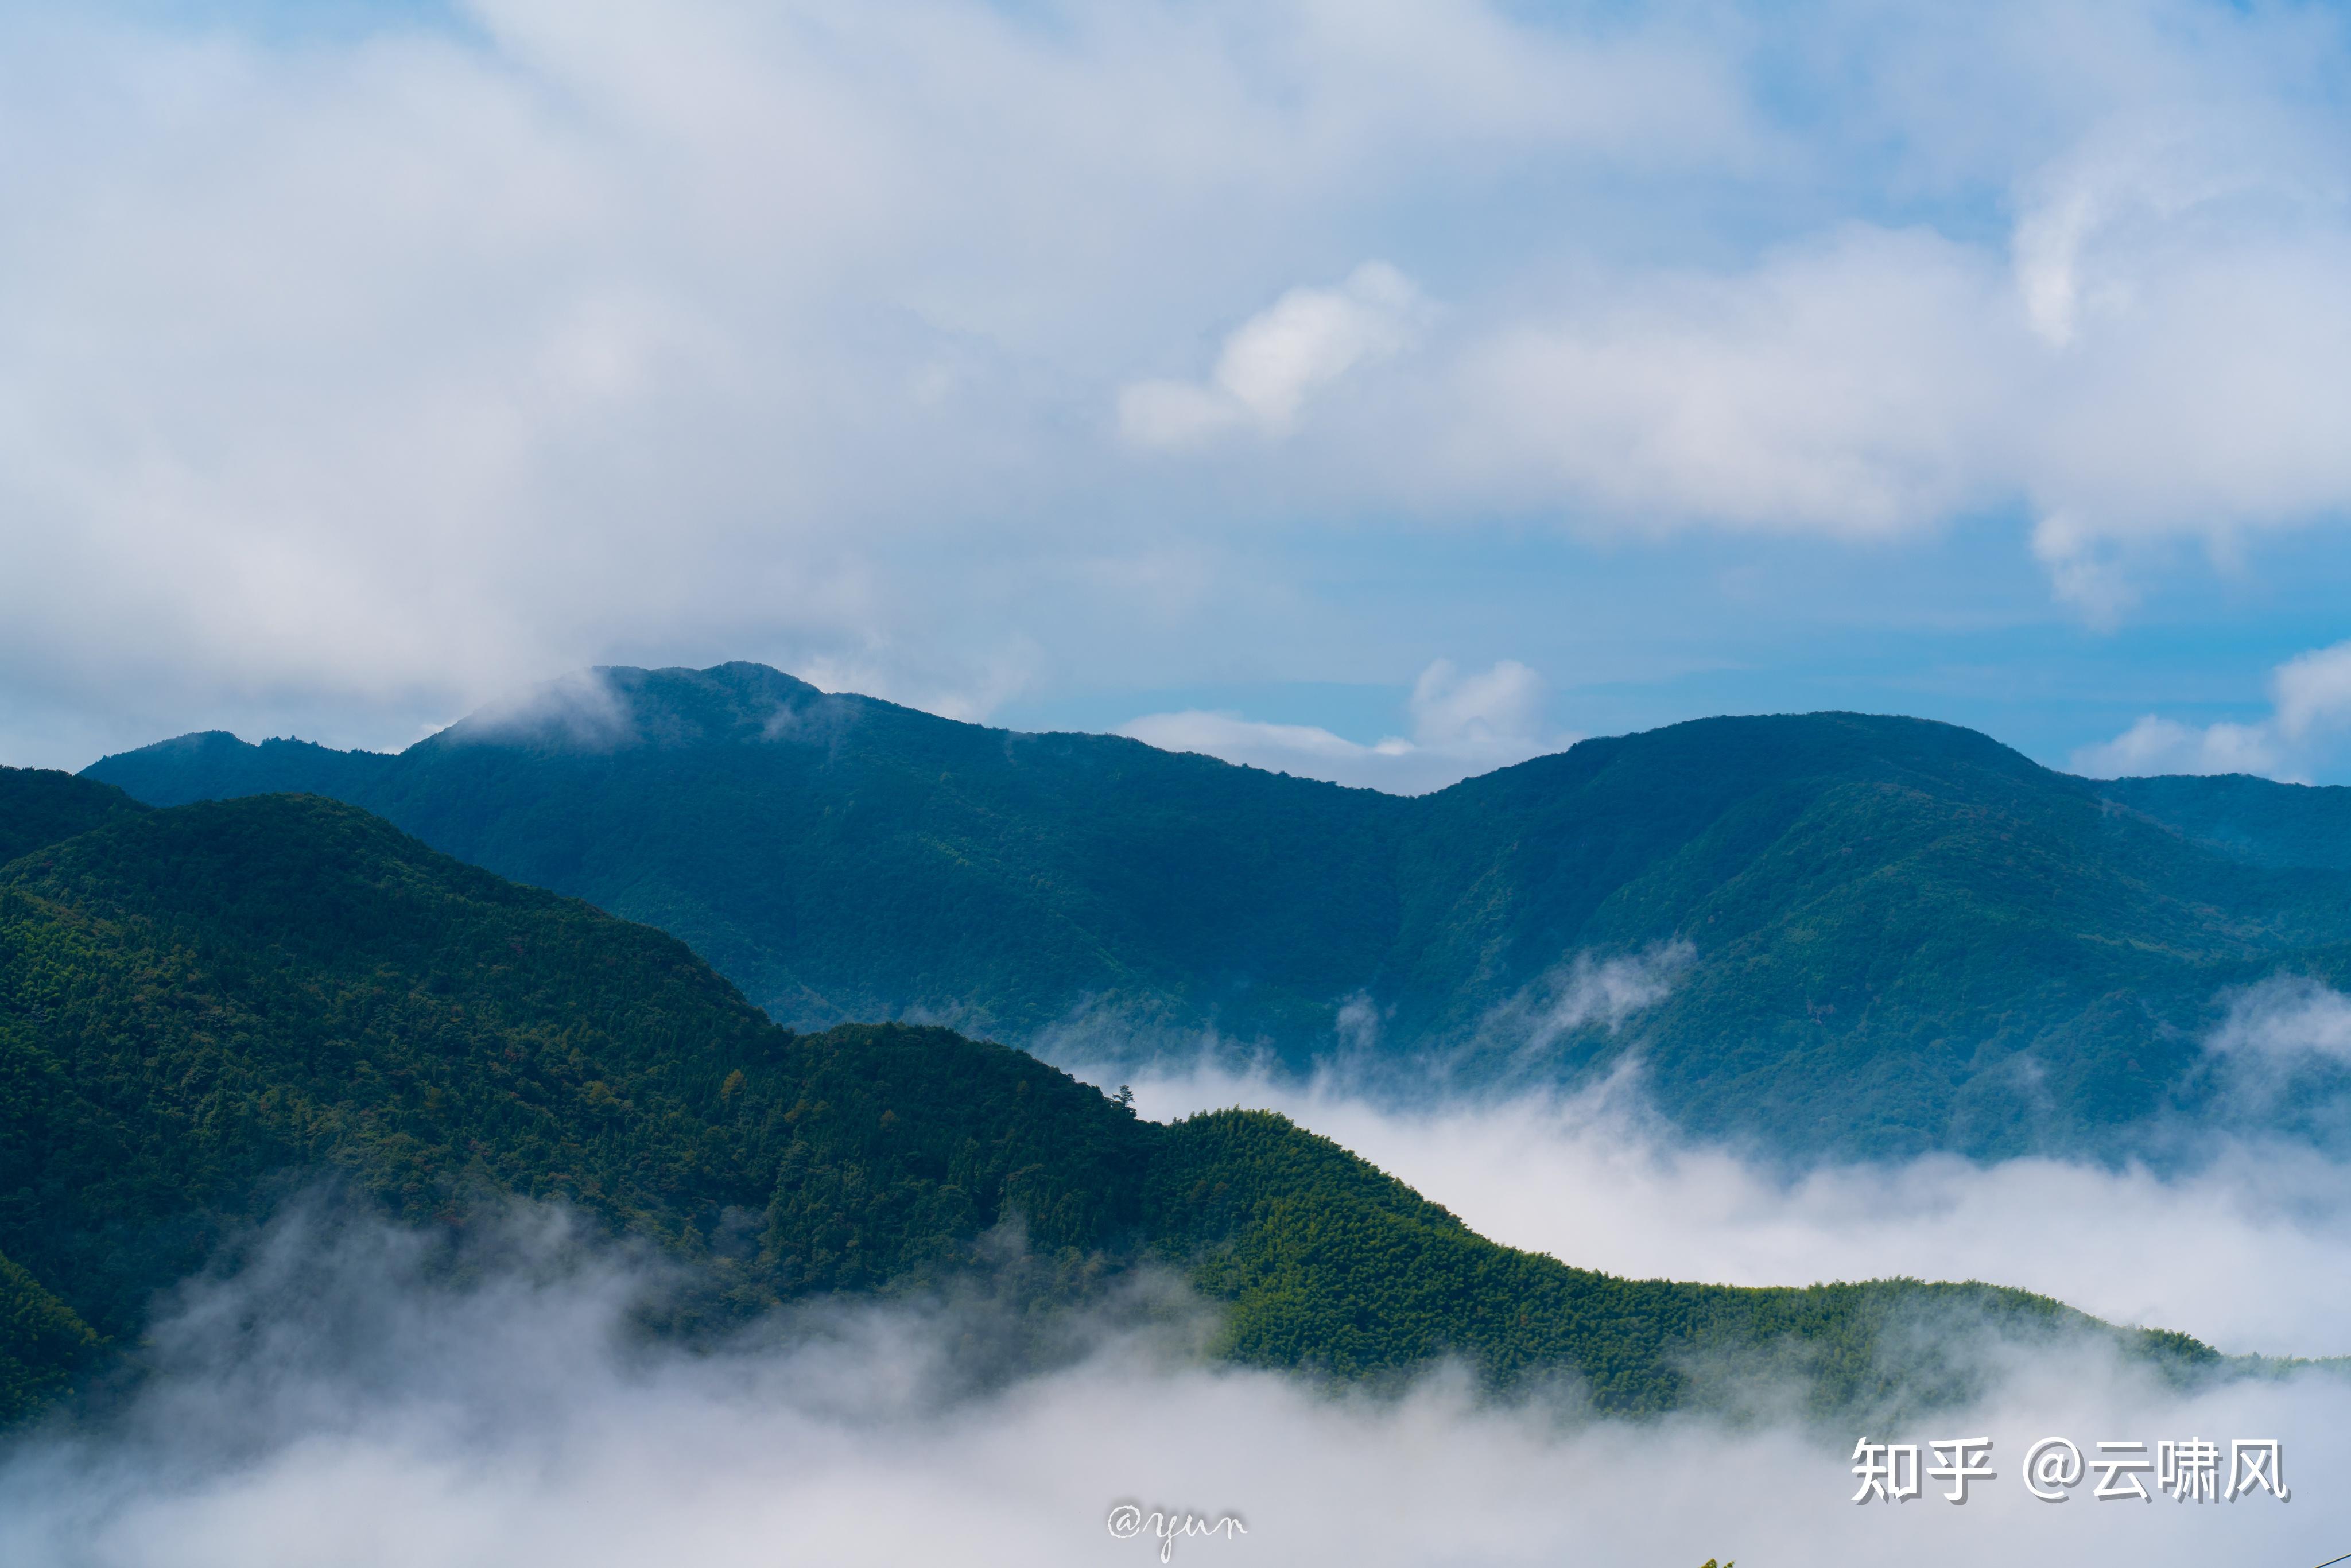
[{"x": 1128, "y": 1521}]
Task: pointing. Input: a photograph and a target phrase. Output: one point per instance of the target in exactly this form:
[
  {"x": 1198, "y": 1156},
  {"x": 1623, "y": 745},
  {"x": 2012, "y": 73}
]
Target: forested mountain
[
  {"x": 39, "y": 806},
  {"x": 2253, "y": 820},
  {"x": 1831, "y": 932},
  {"x": 202, "y": 1008}
]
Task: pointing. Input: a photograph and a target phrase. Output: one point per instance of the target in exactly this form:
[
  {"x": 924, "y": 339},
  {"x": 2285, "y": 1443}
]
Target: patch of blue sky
[
  {"x": 1627, "y": 636},
  {"x": 293, "y": 21}
]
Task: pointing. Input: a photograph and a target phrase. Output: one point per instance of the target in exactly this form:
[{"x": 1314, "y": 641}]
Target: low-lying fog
[
  {"x": 2251, "y": 1253},
  {"x": 332, "y": 1405},
  {"x": 339, "y": 1402}
]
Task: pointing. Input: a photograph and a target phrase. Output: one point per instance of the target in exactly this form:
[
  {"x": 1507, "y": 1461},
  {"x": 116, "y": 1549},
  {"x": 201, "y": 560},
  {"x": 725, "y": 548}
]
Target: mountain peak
[
  {"x": 617, "y": 707},
  {"x": 1731, "y": 754}
]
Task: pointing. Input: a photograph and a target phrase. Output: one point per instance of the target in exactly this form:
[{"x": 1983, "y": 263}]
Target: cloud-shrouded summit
[{"x": 352, "y": 372}]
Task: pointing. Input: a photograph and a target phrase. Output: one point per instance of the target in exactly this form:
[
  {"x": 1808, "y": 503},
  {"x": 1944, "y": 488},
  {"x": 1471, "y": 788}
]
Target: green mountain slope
[
  {"x": 203, "y": 1007},
  {"x": 1883, "y": 935},
  {"x": 2253, "y": 820},
  {"x": 39, "y": 806},
  {"x": 43, "y": 1344}
]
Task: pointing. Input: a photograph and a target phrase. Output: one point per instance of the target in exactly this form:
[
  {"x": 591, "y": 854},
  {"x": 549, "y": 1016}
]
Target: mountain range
[
  {"x": 1823, "y": 935},
  {"x": 207, "y": 1009}
]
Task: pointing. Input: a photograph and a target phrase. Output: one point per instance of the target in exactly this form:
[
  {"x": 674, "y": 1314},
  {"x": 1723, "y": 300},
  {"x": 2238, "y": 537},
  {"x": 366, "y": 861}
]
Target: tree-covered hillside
[
  {"x": 206, "y": 1007},
  {"x": 1870, "y": 935},
  {"x": 2257, "y": 821},
  {"x": 39, "y": 806}
]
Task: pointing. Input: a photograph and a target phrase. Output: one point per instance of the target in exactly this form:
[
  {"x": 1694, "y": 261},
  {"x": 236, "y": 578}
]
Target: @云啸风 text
[{"x": 2186, "y": 1470}]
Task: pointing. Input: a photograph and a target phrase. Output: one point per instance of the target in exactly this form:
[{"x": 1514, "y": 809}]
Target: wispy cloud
[
  {"x": 581, "y": 711},
  {"x": 2310, "y": 706},
  {"x": 1584, "y": 991},
  {"x": 2287, "y": 1017},
  {"x": 1272, "y": 362},
  {"x": 1461, "y": 725},
  {"x": 2155, "y": 745}
]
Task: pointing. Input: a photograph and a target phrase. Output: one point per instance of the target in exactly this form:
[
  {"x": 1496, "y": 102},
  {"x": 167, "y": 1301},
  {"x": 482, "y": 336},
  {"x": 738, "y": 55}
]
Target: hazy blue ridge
[{"x": 1860, "y": 935}]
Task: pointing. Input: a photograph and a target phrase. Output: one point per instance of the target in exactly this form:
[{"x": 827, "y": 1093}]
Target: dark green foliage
[
  {"x": 202, "y": 1006},
  {"x": 2256, "y": 821},
  {"x": 1330, "y": 1264},
  {"x": 1906, "y": 933},
  {"x": 906, "y": 1143},
  {"x": 42, "y": 1344},
  {"x": 199, "y": 1004},
  {"x": 1903, "y": 935},
  {"x": 40, "y": 806},
  {"x": 193, "y": 1001}
]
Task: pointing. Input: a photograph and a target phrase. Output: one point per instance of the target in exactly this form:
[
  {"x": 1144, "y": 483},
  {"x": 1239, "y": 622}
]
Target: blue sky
[{"x": 1382, "y": 391}]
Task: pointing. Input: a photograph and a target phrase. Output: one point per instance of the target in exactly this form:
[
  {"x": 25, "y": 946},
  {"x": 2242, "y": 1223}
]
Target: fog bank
[
  {"x": 340, "y": 1404},
  {"x": 2251, "y": 1253}
]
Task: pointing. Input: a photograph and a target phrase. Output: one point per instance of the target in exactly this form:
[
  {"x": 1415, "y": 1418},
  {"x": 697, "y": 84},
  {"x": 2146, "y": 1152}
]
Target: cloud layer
[
  {"x": 965, "y": 348},
  {"x": 343, "y": 1401}
]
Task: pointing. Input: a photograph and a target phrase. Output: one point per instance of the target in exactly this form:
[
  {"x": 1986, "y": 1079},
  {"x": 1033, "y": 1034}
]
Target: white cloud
[
  {"x": 2312, "y": 691},
  {"x": 384, "y": 370},
  {"x": 2085, "y": 570},
  {"x": 2155, "y": 351},
  {"x": 1462, "y": 726},
  {"x": 389, "y": 368},
  {"x": 1876, "y": 383},
  {"x": 576, "y": 712},
  {"x": 2287, "y": 1017},
  {"x": 1582, "y": 990},
  {"x": 338, "y": 1403},
  {"x": 1500, "y": 710},
  {"x": 1272, "y": 362},
  {"x": 2082, "y": 215},
  {"x": 2309, "y": 698},
  {"x": 2249, "y": 1252},
  {"x": 2154, "y": 745},
  {"x": 1844, "y": 387}
]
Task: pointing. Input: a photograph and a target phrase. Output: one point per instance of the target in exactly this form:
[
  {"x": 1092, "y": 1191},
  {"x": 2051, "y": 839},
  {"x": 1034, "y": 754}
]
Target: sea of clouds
[{"x": 343, "y": 1395}]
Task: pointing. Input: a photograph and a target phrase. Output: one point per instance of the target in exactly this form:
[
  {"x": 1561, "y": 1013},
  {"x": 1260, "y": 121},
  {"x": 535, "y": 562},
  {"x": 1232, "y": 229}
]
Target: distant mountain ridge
[
  {"x": 1827, "y": 932},
  {"x": 205, "y": 1008}
]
